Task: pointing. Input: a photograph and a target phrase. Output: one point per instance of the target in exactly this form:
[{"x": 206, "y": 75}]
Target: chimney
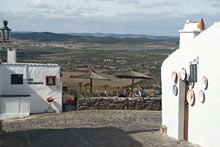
[
  {"x": 190, "y": 31},
  {"x": 11, "y": 53}
]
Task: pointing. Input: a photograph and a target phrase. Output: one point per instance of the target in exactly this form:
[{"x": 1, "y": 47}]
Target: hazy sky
[{"x": 152, "y": 17}]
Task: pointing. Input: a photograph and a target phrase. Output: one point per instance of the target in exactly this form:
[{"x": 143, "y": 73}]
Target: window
[
  {"x": 50, "y": 80},
  {"x": 16, "y": 78}
]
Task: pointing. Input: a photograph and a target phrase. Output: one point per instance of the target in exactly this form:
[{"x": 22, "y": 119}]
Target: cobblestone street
[{"x": 116, "y": 128}]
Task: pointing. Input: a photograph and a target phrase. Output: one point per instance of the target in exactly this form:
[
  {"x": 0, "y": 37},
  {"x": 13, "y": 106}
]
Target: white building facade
[
  {"x": 190, "y": 86},
  {"x": 25, "y": 87}
]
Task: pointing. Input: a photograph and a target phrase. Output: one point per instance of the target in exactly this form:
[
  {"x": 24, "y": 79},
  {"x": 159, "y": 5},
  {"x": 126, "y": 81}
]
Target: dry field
[{"x": 98, "y": 85}]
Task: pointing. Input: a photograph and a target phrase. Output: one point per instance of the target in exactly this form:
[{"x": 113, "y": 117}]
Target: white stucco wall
[
  {"x": 204, "y": 120},
  {"x": 38, "y": 92},
  {"x": 11, "y": 55},
  {"x": 186, "y": 38},
  {"x": 14, "y": 106}
]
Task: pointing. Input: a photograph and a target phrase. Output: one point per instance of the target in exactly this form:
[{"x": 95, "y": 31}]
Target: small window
[
  {"x": 16, "y": 78},
  {"x": 50, "y": 80}
]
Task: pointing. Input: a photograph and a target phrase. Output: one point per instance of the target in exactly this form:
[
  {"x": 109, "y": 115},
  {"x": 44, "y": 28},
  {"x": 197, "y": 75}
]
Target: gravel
[{"x": 95, "y": 128}]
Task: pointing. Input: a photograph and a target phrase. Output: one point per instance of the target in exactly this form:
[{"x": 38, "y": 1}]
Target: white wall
[
  {"x": 186, "y": 38},
  {"x": 11, "y": 55},
  {"x": 7, "y": 87},
  {"x": 169, "y": 101},
  {"x": 204, "y": 120},
  {"x": 41, "y": 92},
  {"x": 14, "y": 106},
  {"x": 38, "y": 92}
]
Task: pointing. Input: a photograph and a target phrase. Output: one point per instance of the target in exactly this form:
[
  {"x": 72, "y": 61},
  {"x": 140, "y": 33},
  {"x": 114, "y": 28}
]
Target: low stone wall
[{"x": 113, "y": 103}]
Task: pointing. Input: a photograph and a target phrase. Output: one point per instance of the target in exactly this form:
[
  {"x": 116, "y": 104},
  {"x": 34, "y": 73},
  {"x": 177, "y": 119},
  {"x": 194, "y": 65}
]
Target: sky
[{"x": 151, "y": 17}]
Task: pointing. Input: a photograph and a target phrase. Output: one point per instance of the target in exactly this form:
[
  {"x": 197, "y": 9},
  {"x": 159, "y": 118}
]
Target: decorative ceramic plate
[
  {"x": 201, "y": 96},
  {"x": 183, "y": 74},
  {"x": 204, "y": 83},
  {"x": 174, "y": 77},
  {"x": 50, "y": 99},
  {"x": 175, "y": 90},
  {"x": 190, "y": 97},
  {"x": 191, "y": 85}
]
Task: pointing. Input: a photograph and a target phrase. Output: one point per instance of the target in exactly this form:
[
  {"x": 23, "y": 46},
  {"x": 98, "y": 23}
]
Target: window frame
[
  {"x": 17, "y": 79},
  {"x": 48, "y": 78}
]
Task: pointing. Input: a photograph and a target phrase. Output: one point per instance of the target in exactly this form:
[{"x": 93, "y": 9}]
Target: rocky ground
[{"x": 92, "y": 128}]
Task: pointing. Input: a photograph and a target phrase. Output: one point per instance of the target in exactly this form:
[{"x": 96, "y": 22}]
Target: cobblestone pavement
[{"x": 115, "y": 128}]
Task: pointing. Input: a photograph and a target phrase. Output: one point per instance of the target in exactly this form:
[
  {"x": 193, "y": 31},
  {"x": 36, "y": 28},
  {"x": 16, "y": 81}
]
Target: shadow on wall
[
  {"x": 38, "y": 103},
  {"x": 77, "y": 137}
]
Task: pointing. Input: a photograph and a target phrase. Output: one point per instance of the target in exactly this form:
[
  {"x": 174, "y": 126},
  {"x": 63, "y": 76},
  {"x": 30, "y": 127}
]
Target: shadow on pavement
[
  {"x": 70, "y": 137},
  {"x": 145, "y": 130}
]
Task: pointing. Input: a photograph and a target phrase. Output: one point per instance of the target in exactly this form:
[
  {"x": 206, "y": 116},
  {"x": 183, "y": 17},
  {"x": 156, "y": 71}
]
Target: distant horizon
[{"x": 91, "y": 33}]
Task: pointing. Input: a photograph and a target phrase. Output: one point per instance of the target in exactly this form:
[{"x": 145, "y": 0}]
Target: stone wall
[{"x": 111, "y": 103}]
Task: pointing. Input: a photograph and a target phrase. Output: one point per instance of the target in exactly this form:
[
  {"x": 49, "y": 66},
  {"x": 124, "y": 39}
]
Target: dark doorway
[
  {"x": 186, "y": 115},
  {"x": 183, "y": 111}
]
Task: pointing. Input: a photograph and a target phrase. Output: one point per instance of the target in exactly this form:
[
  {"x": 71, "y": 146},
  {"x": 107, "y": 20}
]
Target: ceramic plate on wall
[
  {"x": 201, "y": 96},
  {"x": 174, "y": 77},
  {"x": 190, "y": 97},
  {"x": 183, "y": 74},
  {"x": 191, "y": 85},
  {"x": 204, "y": 83},
  {"x": 175, "y": 90}
]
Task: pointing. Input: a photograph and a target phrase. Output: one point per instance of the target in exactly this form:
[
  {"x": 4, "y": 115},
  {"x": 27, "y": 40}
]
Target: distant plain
[{"x": 106, "y": 55}]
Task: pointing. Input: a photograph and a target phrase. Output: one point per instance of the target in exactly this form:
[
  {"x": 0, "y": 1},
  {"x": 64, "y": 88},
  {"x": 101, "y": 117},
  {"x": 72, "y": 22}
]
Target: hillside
[
  {"x": 92, "y": 38},
  {"x": 105, "y": 53},
  {"x": 167, "y": 38}
]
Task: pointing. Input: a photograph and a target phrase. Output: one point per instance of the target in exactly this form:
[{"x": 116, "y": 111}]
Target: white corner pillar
[{"x": 11, "y": 55}]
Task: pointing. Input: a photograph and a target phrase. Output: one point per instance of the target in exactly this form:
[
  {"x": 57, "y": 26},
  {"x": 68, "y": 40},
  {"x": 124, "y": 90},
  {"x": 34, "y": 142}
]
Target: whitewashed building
[
  {"x": 191, "y": 86},
  {"x": 25, "y": 87}
]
